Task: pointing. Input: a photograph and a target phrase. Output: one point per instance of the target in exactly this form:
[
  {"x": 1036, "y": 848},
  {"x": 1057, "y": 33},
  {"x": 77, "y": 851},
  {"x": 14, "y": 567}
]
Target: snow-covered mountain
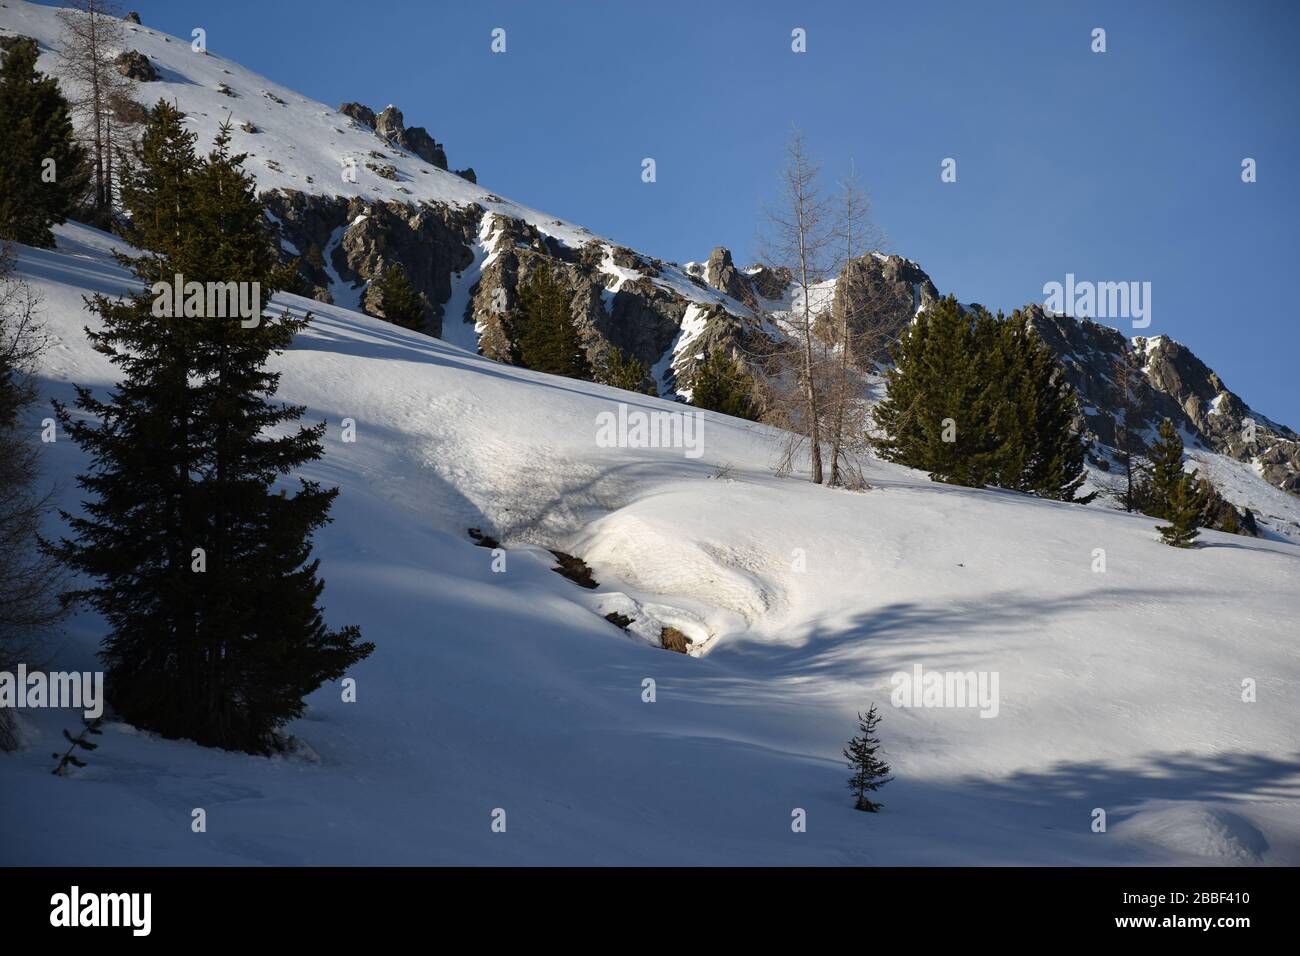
[
  {"x": 354, "y": 190},
  {"x": 1119, "y": 663}
]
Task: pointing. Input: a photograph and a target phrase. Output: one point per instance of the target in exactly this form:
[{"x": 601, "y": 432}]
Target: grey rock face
[
  {"x": 888, "y": 292},
  {"x": 721, "y": 273},
  {"x": 363, "y": 239},
  {"x": 1175, "y": 385},
  {"x": 362, "y": 114},
  {"x": 134, "y": 65}
]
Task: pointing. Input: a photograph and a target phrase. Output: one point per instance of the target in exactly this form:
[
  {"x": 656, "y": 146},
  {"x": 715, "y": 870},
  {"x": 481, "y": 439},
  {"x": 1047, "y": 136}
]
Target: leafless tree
[
  {"x": 92, "y": 37},
  {"x": 799, "y": 238},
  {"x": 1127, "y": 375},
  {"x": 858, "y": 330},
  {"x": 32, "y": 581}
]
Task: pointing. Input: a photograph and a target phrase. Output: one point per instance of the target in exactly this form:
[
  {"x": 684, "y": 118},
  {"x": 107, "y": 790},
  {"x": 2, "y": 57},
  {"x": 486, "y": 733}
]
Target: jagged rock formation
[
  {"x": 1175, "y": 384},
  {"x": 362, "y": 114},
  {"x": 353, "y": 241},
  {"x": 390, "y": 126},
  {"x": 413, "y": 139},
  {"x": 134, "y": 65}
]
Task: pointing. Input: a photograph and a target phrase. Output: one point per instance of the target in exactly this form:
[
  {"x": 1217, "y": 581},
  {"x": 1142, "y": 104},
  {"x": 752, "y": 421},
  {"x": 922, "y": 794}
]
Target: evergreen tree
[
  {"x": 399, "y": 301},
  {"x": 43, "y": 170},
  {"x": 1165, "y": 472},
  {"x": 870, "y": 773},
  {"x": 1183, "y": 512},
  {"x": 625, "y": 371},
  {"x": 199, "y": 552},
  {"x": 941, "y": 397},
  {"x": 721, "y": 385},
  {"x": 157, "y": 187},
  {"x": 546, "y": 337},
  {"x": 1039, "y": 450},
  {"x": 977, "y": 400}
]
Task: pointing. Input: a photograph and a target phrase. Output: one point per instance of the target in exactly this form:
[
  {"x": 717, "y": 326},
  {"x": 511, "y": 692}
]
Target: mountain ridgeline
[{"x": 669, "y": 317}]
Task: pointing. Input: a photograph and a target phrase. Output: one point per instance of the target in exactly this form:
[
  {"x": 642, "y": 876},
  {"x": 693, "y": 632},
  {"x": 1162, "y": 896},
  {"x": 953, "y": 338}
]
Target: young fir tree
[
  {"x": 43, "y": 170},
  {"x": 1183, "y": 512},
  {"x": 399, "y": 301},
  {"x": 870, "y": 773},
  {"x": 546, "y": 338},
  {"x": 721, "y": 385},
  {"x": 625, "y": 371},
  {"x": 1165, "y": 471},
  {"x": 199, "y": 549}
]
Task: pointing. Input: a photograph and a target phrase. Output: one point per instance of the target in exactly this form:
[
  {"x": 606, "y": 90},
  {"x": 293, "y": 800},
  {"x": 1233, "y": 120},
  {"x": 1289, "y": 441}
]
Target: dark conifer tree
[
  {"x": 721, "y": 385},
  {"x": 157, "y": 188},
  {"x": 977, "y": 400},
  {"x": 199, "y": 548},
  {"x": 626, "y": 372},
  {"x": 399, "y": 301},
  {"x": 940, "y": 401},
  {"x": 870, "y": 773},
  {"x": 1165, "y": 471},
  {"x": 1039, "y": 450},
  {"x": 545, "y": 336},
  {"x": 43, "y": 171},
  {"x": 1183, "y": 510}
]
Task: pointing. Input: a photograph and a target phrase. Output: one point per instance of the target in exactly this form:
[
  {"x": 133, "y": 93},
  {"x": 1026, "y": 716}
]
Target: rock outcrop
[
  {"x": 414, "y": 139},
  {"x": 350, "y": 242},
  {"x": 134, "y": 65}
]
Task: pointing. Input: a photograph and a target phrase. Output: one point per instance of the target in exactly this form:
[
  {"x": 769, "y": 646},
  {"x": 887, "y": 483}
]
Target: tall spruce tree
[
  {"x": 398, "y": 300},
  {"x": 870, "y": 773},
  {"x": 199, "y": 551},
  {"x": 977, "y": 400},
  {"x": 942, "y": 395},
  {"x": 43, "y": 171},
  {"x": 545, "y": 336},
  {"x": 1165, "y": 472},
  {"x": 1039, "y": 450},
  {"x": 1172, "y": 494}
]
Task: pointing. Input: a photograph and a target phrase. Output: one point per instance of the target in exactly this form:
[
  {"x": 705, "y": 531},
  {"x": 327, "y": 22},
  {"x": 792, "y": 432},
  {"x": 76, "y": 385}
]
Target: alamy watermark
[
  {"x": 214, "y": 300},
  {"x": 634, "y": 428},
  {"x": 1100, "y": 300},
  {"x": 83, "y": 690},
  {"x": 919, "y": 688}
]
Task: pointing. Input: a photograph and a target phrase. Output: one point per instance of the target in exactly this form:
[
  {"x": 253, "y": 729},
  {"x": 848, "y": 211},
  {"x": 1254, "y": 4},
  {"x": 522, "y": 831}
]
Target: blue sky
[{"x": 1121, "y": 166}]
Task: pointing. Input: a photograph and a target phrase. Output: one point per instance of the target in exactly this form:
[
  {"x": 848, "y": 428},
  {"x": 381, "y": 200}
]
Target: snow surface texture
[{"x": 1118, "y": 690}]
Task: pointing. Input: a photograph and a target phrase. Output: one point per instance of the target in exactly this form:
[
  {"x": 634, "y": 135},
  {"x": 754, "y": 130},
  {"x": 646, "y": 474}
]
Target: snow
[
  {"x": 693, "y": 324},
  {"x": 1118, "y": 689}
]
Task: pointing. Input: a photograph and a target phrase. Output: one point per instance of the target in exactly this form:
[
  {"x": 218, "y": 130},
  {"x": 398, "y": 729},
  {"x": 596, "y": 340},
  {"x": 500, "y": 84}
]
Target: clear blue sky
[{"x": 1116, "y": 166}]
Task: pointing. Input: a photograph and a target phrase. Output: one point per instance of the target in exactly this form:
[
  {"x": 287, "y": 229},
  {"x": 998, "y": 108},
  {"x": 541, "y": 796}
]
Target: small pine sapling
[
  {"x": 870, "y": 773},
  {"x": 69, "y": 758}
]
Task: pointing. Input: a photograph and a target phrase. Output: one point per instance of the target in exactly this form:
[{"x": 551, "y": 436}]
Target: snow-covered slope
[{"x": 1119, "y": 690}]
